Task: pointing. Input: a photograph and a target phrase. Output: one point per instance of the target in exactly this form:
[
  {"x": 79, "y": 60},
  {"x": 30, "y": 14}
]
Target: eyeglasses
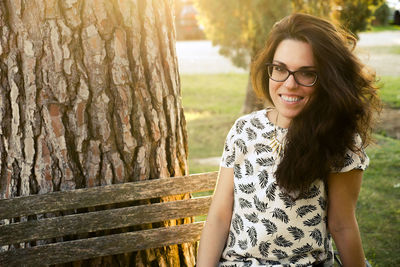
[{"x": 279, "y": 73}]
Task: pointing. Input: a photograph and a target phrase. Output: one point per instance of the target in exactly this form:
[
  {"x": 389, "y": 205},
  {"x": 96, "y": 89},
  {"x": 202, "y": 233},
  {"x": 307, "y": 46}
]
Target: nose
[{"x": 290, "y": 82}]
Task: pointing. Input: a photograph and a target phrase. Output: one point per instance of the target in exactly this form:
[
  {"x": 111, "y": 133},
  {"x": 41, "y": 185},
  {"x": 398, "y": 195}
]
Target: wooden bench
[{"x": 100, "y": 209}]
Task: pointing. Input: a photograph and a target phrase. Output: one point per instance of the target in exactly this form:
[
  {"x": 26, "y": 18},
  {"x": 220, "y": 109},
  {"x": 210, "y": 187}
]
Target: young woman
[{"x": 290, "y": 175}]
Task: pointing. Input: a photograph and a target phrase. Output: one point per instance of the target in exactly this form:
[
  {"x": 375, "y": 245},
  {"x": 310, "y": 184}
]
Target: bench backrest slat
[
  {"x": 100, "y": 210},
  {"x": 101, "y": 246},
  {"x": 117, "y": 193},
  {"x": 102, "y": 220}
]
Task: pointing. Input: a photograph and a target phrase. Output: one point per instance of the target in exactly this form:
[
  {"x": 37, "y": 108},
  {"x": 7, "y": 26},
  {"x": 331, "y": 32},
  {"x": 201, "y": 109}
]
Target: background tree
[
  {"x": 355, "y": 15},
  {"x": 321, "y": 8},
  {"x": 382, "y": 14},
  {"x": 89, "y": 96},
  {"x": 240, "y": 27}
]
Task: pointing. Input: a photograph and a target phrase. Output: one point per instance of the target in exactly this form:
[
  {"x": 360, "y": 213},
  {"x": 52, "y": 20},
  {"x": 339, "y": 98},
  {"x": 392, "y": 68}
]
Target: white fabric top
[{"x": 268, "y": 228}]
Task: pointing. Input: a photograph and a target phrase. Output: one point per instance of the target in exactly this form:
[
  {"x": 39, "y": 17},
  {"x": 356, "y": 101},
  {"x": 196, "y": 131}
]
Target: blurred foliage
[
  {"x": 382, "y": 14},
  {"x": 240, "y": 27},
  {"x": 355, "y": 16},
  {"x": 318, "y": 8}
]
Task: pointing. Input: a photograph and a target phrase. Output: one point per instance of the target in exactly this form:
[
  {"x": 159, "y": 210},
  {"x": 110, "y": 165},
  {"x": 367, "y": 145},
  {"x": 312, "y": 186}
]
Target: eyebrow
[{"x": 302, "y": 67}]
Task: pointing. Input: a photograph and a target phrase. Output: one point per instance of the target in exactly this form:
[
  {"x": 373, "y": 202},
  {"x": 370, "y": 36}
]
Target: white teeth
[{"x": 290, "y": 98}]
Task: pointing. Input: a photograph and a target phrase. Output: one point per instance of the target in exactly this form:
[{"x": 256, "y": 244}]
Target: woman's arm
[
  {"x": 215, "y": 231},
  {"x": 343, "y": 190}
]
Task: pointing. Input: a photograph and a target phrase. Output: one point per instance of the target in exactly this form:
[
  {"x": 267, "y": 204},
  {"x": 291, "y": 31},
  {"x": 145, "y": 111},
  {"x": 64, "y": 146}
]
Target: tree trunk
[
  {"x": 90, "y": 95},
  {"x": 252, "y": 102}
]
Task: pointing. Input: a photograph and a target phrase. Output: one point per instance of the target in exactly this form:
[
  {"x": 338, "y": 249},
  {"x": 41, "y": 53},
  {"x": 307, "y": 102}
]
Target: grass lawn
[
  {"x": 213, "y": 102},
  {"x": 385, "y": 28},
  {"x": 378, "y": 209},
  {"x": 390, "y": 91}
]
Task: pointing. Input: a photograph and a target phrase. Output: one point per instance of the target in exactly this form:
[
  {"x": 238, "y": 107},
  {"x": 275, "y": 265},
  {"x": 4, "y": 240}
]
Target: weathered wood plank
[
  {"x": 102, "y": 220},
  {"x": 101, "y": 246},
  {"x": 103, "y": 195}
]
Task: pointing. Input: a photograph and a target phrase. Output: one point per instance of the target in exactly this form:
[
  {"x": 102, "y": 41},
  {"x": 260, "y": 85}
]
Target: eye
[
  {"x": 280, "y": 69},
  {"x": 307, "y": 74}
]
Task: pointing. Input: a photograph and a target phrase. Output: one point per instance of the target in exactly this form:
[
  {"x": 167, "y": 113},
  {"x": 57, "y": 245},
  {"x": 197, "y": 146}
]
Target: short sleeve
[
  {"x": 354, "y": 160},
  {"x": 228, "y": 155}
]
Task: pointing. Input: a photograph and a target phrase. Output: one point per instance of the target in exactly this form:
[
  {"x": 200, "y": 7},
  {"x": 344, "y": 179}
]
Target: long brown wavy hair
[{"x": 343, "y": 104}]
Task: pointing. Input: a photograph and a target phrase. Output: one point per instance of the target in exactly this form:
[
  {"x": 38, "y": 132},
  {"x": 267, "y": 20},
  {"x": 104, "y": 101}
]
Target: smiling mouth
[{"x": 291, "y": 99}]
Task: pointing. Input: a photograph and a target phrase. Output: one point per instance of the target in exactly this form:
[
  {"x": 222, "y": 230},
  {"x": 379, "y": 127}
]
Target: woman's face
[{"x": 289, "y": 97}]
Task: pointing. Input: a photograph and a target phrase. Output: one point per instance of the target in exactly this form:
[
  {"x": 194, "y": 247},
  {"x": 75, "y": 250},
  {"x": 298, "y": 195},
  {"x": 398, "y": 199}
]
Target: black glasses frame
[{"x": 269, "y": 65}]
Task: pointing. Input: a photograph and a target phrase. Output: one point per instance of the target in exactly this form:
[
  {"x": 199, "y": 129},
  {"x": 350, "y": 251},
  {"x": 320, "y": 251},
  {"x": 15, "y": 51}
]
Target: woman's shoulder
[{"x": 354, "y": 158}]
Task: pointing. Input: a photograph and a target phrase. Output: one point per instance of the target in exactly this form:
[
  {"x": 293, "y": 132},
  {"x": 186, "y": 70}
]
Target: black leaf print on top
[
  {"x": 260, "y": 148},
  {"x": 232, "y": 253},
  {"x": 247, "y": 188},
  {"x": 230, "y": 159},
  {"x": 322, "y": 203},
  {"x": 348, "y": 160},
  {"x": 249, "y": 167},
  {"x": 296, "y": 258},
  {"x": 273, "y": 263},
  {"x": 226, "y": 147},
  {"x": 240, "y": 125},
  {"x": 252, "y": 217},
  {"x": 244, "y": 203},
  {"x": 329, "y": 256},
  {"x": 269, "y": 226},
  {"x": 232, "y": 239},
  {"x": 263, "y": 248},
  {"x": 237, "y": 224},
  {"x": 287, "y": 200},
  {"x": 241, "y": 145},
  {"x": 268, "y": 135},
  {"x": 280, "y": 214},
  {"x": 251, "y": 231},
  {"x": 282, "y": 242},
  {"x": 303, "y": 250},
  {"x": 243, "y": 244},
  {"x": 313, "y": 221},
  {"x": 313, "y": 192},
  {"x": 263, "y": 177},
  {"x": 251, "y": 134},
  {"x": 260, "y": 206},
  {"x": 265, "y": 162},
  {"x": 303, "y": 210},
  {"x": 326, "y": 244},
  {"x": 317, "y": 236},
  {"x": 229, "y": 265},
  {"x": 297, "y": 233},
  {"x": 257, "y": 123},
  {"x": 247, "y": 255},
  {"x": 270, "y": 192},
  {"x": 237, "y": 171},
  {"x": 280, "y": 254},
  {"x": 316, "y": 255}
]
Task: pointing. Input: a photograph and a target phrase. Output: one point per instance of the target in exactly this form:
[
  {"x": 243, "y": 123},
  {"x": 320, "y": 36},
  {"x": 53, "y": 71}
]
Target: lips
[{"x": 291, "y": 99}]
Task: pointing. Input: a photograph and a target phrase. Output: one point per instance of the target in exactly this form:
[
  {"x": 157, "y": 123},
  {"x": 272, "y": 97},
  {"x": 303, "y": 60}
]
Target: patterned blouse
[{"x": 268, "y": 227}]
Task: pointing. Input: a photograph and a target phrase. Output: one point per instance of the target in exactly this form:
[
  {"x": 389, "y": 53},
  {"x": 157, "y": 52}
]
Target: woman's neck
[{"x": 273, "y": 116}]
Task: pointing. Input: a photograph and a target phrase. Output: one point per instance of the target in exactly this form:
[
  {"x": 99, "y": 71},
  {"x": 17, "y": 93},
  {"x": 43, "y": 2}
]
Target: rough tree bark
[{"x": 90, "y": 95}]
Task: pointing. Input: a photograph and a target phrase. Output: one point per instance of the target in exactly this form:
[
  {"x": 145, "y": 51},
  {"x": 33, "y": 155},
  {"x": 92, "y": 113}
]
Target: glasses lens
[
  {"x": 306, "y": 78},
  {"x": 277, "y": 73}
]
